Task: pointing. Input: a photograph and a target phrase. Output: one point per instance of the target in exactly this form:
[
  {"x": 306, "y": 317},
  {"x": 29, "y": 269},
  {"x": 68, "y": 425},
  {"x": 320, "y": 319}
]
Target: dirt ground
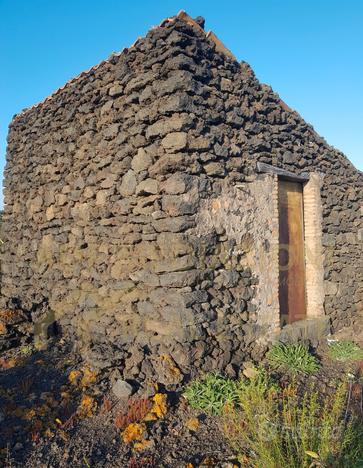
[
  {"x": 55, "y": 413},
  {"x": 40, "y": 426}
]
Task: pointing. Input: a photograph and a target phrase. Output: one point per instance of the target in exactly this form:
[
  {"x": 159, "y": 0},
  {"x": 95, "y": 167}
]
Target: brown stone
[
  {"x": 128, "y": 184},
  {"x": 141, "y": 161},
  {"x": 148, "y": 186},
  {"x": 175, "y": 141}
]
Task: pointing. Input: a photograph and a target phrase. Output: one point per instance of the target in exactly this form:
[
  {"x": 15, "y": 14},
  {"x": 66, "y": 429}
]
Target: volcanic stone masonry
[{"x": 135, "y": 218}]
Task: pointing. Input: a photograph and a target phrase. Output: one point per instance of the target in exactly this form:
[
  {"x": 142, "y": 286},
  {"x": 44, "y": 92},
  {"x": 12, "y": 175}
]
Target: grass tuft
[
  {"x": 211, "y": 393},
  {"x": 345, "y": 351},
  {"x": 292, "y": 358}
]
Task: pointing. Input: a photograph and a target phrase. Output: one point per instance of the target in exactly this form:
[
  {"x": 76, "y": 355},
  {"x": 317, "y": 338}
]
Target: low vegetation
[
  {"x": 345, "y": 351},
  {"x": 277, "y": 427},
  {"x": 276, "y": 415},
  {"x": 293, "y": 359},
  {"x": 211, "y": 393}
]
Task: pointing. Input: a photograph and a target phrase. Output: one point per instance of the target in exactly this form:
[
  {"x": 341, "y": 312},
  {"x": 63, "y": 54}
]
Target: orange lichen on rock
[
  {"x": 87, "y": 406},
  {"x": 89, "y": 377},
  {"x": 143, "y": 445},
  {"x": 133, "y": 432},
  {"x": 159, "y": 408},
  {"x": 192, "y": 424},
  {"x": 74, "y": 377},
  {"x": 9, "y": 316}
]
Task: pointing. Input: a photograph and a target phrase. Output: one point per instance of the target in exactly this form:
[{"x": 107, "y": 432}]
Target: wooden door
[{"x": 292, "y": 290}]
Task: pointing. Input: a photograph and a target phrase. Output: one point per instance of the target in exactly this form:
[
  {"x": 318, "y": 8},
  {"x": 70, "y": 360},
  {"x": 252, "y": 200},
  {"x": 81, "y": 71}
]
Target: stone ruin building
[{"x": 172, "y": 214}]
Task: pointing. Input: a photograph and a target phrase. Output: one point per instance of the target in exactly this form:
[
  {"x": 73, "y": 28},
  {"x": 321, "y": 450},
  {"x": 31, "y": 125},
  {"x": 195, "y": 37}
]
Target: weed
[
  {"x": 70, "y": 422},
  {"x": 345, "y": 351},
  {"x": 35, "y": 436},
  {"x": 136, "y": 412},
  {"x": 106, "y": 405},
  {"x": 26, "y": 385},
  {"x": 211, "y": 393},
  {"x": 144, "y": 462},
  {"x": 27, "y": 350},
  {"x": 272, "y": 427},
  {"x": 292, "y": 358}
]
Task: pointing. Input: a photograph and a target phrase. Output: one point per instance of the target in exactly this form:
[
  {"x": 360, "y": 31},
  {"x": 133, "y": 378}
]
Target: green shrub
[
  {"x": 345, "y": 351},
  {"x": 271, "y": 427},
  {"x": 211, "y": 393},
  {"x": 292, "y": 358}
]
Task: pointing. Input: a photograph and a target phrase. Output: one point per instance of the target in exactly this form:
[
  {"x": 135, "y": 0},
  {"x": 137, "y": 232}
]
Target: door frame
[{"x": 312, "y": 215}]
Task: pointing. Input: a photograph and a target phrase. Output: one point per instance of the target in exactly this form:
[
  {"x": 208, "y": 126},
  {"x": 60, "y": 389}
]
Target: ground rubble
[{"x": 56, "y": 412}]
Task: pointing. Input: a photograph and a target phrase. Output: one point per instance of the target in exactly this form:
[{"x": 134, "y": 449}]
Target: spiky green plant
[
  {"x": 345, "y": 351},
  {"x": 292, "y": 358},
  {"x": 211, "y": 393}
]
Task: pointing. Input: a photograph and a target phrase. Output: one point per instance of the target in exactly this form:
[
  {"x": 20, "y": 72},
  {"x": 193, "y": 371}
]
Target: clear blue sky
[{"x": 309, "y": 51}]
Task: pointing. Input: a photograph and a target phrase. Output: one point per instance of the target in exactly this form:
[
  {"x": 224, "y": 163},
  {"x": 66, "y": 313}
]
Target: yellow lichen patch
[
  {"x": 74, "y": 377},
  {"x": 48, "y": 433},
  {"x": 133, "y": 432},
  {"x": 3, "y": 329},
  {"x": 159, "y": 408},
  {"x": 143, "y": 445},
  {"x": 207, "y": 462},
  {"x": 10, "y": 316},
  {"x": 89, "y": 377},
  {"x": 87, "y": 406},
  {"x": 192, "y": 424},
  {"x": 29, "y": 414},
  {"x": 9, "y": 363},
  {"x": 169, "y": 362}
]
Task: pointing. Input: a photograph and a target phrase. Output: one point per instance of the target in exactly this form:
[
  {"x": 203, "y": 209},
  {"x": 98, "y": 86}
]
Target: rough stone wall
[
  {"x": 247, "y": 215},
  {"x": 106, "y": 184}
]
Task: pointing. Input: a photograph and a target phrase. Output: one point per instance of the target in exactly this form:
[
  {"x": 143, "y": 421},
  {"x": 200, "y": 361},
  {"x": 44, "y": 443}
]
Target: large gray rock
[{"x": 122, "y": 389}]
